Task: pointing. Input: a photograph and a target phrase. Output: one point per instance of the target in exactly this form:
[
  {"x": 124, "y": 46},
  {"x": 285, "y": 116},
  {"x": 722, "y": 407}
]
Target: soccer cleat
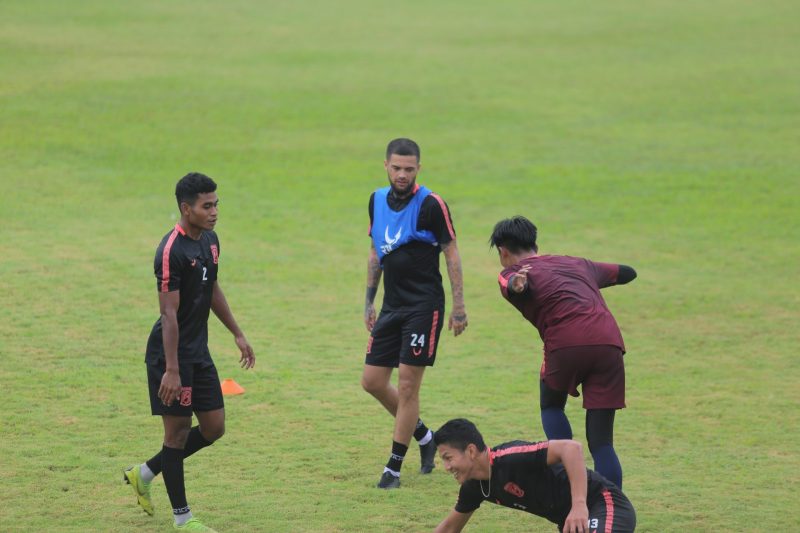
[
  {"x": 140, "y": 488},
  {"x": 193, "y": 524},
  {"x": 389, "y": 481},
  {"x": 427, "y": 452}
]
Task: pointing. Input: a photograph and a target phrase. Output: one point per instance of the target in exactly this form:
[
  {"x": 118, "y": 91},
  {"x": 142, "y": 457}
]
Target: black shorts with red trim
[
  {"x": 599, "y": 370},
  {"x": 612, "y": 513},
  {"x": 407, "y": 337},
  {"x": 200, "y": 388}
]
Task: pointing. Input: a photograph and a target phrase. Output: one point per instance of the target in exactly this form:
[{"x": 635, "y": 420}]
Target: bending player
[
  {"x": 548, "y": 479},
  {"x": 560, "y": 296}
]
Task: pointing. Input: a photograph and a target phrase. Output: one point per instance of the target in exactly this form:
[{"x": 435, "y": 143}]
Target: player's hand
[
  {"x": 369, "y": 316},
  {"x": 170, "y": 388},
  {"x": 577, "y": 520},
  {"x": 519, "y": 280},
  {"x": 458, "y": 322},
  {"x": 248, "y": 358}
]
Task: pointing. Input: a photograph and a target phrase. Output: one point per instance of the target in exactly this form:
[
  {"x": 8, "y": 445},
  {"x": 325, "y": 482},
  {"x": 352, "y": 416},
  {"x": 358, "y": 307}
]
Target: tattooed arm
[
  {"x": 458, "y": 316},
  {"x": 373, "y": 278}
]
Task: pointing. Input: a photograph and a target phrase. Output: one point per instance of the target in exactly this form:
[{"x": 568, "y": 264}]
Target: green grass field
[{"x": 657, "y": 134}]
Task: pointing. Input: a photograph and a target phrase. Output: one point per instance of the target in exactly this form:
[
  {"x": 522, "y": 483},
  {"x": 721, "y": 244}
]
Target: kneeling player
[{"x": 548, "y": 479}]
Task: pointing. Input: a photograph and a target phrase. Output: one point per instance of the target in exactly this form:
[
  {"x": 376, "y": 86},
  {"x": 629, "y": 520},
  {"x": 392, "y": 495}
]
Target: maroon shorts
[{"x": 599, "y": 370}]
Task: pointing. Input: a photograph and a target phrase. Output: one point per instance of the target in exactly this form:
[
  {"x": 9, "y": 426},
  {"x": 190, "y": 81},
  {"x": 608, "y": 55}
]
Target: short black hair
[
  {"x": 191, "y": 185},
  {"x": 459, "y": 433},
  {"x": 516, "y": 234},
  {"x": 402, "y": 146}
]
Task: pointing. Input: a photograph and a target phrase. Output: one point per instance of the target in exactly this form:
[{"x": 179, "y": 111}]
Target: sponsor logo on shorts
[
  {"x": 186, "y": 396},
  {"x": 514, "y": 489},
  {"x": 215, "y": 253}
]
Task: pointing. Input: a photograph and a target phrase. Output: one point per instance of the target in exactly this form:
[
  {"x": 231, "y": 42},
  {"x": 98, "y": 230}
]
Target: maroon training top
[{"x": 563, "y": 300}]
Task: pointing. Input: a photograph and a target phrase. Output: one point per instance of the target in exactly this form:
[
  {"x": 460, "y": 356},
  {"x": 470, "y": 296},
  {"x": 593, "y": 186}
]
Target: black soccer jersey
[
  {"x": 411, "y": 277},
  {"x": 190, "y": 266},
  {"x": 521, "y": 479}
]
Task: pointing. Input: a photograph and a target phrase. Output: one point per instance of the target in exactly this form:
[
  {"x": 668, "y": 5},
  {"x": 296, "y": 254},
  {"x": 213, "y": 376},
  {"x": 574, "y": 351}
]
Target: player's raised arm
[
  {"x": 453, "y": 523},
  {"x": 610, "y": 274},
  {"x": 570, "y": 454},
  {"x": 373, "y": 278}
]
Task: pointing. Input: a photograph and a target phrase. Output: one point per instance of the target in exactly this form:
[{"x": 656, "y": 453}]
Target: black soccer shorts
[
  {"x": 408, "y": 337},
  {"x": 200, "y": 388},
  {"x": 613, "y": 513}
]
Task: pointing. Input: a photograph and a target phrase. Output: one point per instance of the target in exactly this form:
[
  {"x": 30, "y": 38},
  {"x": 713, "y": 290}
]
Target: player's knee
[
  {"x": 176, "y": 437},
  {"x": 369, "y": 385},
  {"x": 407, "y": 390},
  {"x": 213, "y": 433}
]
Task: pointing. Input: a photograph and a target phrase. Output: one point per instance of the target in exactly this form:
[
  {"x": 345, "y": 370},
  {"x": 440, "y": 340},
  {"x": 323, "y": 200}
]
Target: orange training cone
[{"x": 230, "y": 388}]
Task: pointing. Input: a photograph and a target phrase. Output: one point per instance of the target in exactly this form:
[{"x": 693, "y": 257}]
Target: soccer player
[
  {"x": 181, "y": 375},
  {"x": 409, "y": 226},
  {"x": 548, "y": 479},
  {"x": 560, "y": 296}
]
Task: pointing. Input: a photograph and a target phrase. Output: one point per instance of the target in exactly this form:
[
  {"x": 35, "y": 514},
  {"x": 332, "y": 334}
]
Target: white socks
[
  {"x": 426, "y": 439},
  {"x": 146, "y": 474}
]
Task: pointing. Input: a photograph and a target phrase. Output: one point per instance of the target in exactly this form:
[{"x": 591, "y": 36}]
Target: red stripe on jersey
[
  {"x": 525, "y": 448},
  {"x": 446, "y": 214},
  {"x": 432, "y": 338},
  {"x": 609, "y": 511},
  {"x": 503, "y": 284},
  {"x": 165, "y": 257},
  {"x": 180, "y": 229}
]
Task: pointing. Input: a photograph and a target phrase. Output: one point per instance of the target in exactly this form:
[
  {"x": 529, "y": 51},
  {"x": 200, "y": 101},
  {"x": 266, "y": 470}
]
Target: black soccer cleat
[
  {"x": 427, "y": 453},
  {"x": 389, "y": 481}
]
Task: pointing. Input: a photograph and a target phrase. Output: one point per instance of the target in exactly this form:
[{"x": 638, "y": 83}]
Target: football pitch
[{"x": 662, "y": 135}]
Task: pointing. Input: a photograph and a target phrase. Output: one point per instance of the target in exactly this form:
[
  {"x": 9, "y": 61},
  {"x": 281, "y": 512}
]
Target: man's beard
[{"x": 402, "y": 193}]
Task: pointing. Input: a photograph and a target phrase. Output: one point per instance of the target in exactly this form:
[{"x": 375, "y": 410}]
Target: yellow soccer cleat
[
  {"x": 193, "y": 524},
  {"x": 140, "y": 488}
]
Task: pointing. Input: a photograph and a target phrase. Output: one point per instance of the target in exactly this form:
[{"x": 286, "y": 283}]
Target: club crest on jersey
[
  {"x": 215, "y": 253},
  {"x": 389, "y": 246},
  {"x": 514, "y": 489},
  {"x": 186, "y": 396}
]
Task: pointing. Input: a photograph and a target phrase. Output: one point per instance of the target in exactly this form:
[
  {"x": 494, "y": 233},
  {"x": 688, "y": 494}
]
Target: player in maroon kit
[
  {"x": 548, "y": 479},
  {"x": 560, "y": 296}
]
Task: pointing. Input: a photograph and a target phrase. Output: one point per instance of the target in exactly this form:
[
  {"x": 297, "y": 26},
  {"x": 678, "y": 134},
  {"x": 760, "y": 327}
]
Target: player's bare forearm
[
  {"x": 570, "y": 454},
  {"x": 373, "y": 275},
  {"x": 373, "y": 278},
  {"x": 219, "y": 304},
  {"x": 453, "y": 523},
  {"x": 168, "y": 303},
  {"x": 458, "y": 317},
  {"x": 453, "y": 261},
  {"x": 170, "y": 387}
]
